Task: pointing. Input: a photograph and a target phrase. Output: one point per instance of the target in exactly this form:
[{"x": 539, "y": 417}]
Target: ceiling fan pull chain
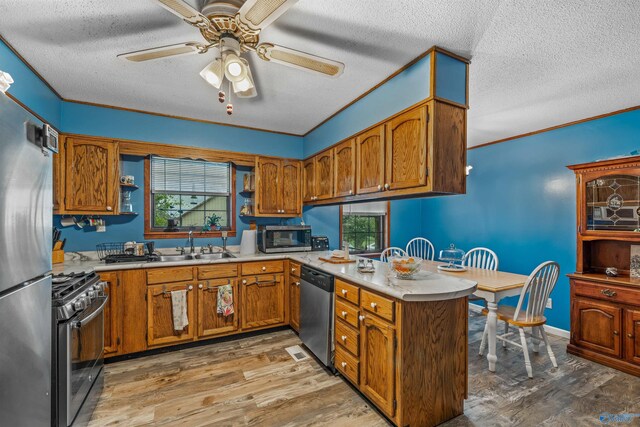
[{"x": 230, "y": 105}]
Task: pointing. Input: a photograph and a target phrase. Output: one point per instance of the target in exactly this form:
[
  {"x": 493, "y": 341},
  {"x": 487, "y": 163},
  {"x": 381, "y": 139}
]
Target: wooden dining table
[{"x": 492, "y": 287}]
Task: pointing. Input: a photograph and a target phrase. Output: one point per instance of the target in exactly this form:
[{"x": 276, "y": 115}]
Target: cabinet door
[
  {"x": 370, "y": 155},
  {"x": 632, "y": 335},
  {"x": 291, "y": 197},
  {"x": 58, "y": 179},
  {"x": 268, "y": 178},
  {"x": 112, "y": 313},
  {"x": 377, "y": 363},
  {"x": 324, "y": 175},
  {"x": 91, "y": 176},
  {"x": 210, "y": 322},
  {"x": 294, "y": 303},
  {"x": 262, "y": 301},
  {"x": 344, "y": 169},
  {"x": 406, "y": 143},
  {"x": 596, "y": 325},
  {"x": 309, "y": 180},
  {"x": 160, "y": 314}
]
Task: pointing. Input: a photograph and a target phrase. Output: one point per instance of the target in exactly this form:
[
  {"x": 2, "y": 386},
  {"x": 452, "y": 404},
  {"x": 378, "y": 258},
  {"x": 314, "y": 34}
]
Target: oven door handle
[{"x": 79, "y": 323}]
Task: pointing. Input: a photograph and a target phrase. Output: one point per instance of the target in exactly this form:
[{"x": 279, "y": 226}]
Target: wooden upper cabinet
[
  {"x": 210, "y": 322},
  {"x": 324, "y": 175},
  {"x": 291, "y": 192},
  {"x": 377, "y": 363},
  {"x": 370, "y": 155},
  {"x": 268, "y": 177},
  {"x": 406, "y": 144},
  {"x": 309, "y": 179},
  {"x": 58, "y": 179},
  {"x": 632, "y": 335},
  {"x": 344, "y": 169},
  {"x": 160, "y": 327},
  {"x": 91, "y": 176},
  {"x": 597, "y": 326}
]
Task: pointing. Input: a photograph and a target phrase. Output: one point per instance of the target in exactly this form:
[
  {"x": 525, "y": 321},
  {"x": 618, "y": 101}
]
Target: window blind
[
  {"x": 179, "y": 176},
  {"x": 371, "y": 208}
]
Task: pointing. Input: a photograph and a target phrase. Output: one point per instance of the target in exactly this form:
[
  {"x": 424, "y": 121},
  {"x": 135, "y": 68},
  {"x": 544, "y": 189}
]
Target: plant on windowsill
[{"x": 212, "y": 223}]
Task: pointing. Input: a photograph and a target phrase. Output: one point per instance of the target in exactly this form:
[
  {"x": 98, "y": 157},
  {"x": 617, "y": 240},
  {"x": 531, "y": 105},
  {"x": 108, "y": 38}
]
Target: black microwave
[{"x": 284, "y": 238}]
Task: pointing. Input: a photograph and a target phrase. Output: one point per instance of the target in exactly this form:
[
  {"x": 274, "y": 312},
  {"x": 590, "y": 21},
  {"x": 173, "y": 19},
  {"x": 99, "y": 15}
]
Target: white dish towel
[{"x": 179, "y": 310}]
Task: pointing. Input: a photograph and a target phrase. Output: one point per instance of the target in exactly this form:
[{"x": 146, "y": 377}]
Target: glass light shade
[
  {"x": 245, "y": 88},
  {"x": 5, "y": 81},
  {"x": 213, "y": 74},
  {"x": 234, "y": 69}
]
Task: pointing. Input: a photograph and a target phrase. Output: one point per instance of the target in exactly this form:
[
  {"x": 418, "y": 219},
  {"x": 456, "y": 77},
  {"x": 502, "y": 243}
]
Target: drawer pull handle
[
  {"x": 343, "y": 338},
  {"x": 361, "y": 317},
  {"x": 344, "y": 364},
  {"x": 344, "y": 314},
  {"x": 616, "y": 333},
  {"x": 608, "y": 292},
  {"x": 374, "y": 305},
  {"x": 344, "y": 292}
]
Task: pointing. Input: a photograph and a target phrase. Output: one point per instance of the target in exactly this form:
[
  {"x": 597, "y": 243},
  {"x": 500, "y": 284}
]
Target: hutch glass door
[{"x": 613, "y": 203}]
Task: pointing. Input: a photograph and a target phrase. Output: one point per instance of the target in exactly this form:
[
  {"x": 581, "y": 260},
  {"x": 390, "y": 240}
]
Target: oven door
[
  {"x": 287, "y": 240},
  {"x": 80, "y": 358}
]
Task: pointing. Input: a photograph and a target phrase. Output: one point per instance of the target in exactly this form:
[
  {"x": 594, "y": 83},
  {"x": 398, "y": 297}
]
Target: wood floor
[{"x": 254, "y": 382}]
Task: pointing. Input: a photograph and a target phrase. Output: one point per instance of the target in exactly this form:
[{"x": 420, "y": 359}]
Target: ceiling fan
[{"x": 233, "y": 26}]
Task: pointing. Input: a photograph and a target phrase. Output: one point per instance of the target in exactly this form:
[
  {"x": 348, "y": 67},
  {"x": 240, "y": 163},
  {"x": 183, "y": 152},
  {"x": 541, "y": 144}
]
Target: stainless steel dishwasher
[{"x": 316, "y": 313}]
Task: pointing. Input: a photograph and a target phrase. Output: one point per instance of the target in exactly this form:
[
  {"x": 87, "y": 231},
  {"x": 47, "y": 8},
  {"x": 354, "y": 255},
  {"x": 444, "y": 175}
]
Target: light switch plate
[{"x": 549, "y": 303}]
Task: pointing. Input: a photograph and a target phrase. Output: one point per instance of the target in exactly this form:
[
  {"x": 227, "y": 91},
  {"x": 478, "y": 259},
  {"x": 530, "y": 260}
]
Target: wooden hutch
[{"x": 605, "y": 311}]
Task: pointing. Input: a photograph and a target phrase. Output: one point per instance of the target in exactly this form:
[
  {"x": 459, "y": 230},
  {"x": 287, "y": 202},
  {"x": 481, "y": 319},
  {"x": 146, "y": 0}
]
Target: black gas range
[{"x": 78, "y": 301}]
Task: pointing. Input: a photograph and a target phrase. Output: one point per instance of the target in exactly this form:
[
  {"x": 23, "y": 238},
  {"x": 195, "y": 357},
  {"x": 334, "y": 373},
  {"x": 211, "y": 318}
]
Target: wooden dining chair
[
  {"x": 481, "y": 258},
  {"x": 537, "y": 288},
  {"x": 391, "y": 252},
  {"x": 421, "y": 247}
]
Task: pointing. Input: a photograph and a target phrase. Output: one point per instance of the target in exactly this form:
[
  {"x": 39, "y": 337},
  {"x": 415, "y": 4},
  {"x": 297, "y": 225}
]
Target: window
[
  {"x": 365, "y": 226},
  {"x": 195, "y": 194}
]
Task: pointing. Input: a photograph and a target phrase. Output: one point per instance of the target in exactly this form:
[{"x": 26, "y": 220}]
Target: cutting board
[{"x": 333, "y": 260}]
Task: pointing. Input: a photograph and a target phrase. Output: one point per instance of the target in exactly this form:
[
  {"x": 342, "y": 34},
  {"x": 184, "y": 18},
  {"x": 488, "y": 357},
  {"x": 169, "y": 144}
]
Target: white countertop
[{"x": 427, "y": 286}]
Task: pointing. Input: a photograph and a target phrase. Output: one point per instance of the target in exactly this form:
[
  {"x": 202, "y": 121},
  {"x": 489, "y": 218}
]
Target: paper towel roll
[{"x": 248, "y": 243}]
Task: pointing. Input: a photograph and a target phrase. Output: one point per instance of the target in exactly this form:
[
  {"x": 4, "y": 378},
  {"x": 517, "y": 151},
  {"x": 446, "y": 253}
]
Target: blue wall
[
  {"x": 520, "y": 199},
  {"x": 29, "y": 89}
]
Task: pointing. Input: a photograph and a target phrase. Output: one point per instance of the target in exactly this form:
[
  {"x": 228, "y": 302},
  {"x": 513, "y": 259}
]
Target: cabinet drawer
[
  {"x": 348, "y": 313},
  {"x": 348, "y": 337},
  {"x": 347, "y": 365},
  {"x": 217, "y": 271},
  {"x": 607, "y": 292},
  {"x": 379, "y": 305},
  {"x": 294, "y": 269},
  {"x": 262, "y": 267},
  {"x": 169, "y": 275},
  {"x": 347, "y": 291}
]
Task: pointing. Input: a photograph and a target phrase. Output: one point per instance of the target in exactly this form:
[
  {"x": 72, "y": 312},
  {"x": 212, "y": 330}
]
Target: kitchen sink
[
  {"x": 218, "y": 255},
  {"x": 170, "y": 258}
]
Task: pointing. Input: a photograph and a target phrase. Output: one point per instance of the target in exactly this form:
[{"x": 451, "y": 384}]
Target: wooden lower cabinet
[
  {"x": 377, "y": 363},
  {"x": 294, "y": 303},
  {"x": 262, "y": 301},
  {"x": 597, "y": 326},
  {"x": 210, "y": 322},
  {"x": 632, "y": 335},
  {"x": 408, "y": 358},
  {"x": 112, "y": 324},
  {"x": 160, "y": 328}
]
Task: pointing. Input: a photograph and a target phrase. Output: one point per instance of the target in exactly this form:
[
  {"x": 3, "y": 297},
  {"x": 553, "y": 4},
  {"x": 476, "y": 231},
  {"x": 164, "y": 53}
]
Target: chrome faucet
[{"x": 192, "y": 249}]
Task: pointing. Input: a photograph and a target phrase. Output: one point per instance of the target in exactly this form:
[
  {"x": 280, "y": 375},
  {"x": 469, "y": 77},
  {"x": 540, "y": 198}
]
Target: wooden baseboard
[
  {"x": 552, "y": 330},
  {"x": 612, "y": 362}
]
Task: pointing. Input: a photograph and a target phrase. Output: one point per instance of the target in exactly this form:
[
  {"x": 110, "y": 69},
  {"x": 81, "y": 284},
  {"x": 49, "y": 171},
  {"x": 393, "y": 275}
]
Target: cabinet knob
[
  {"x": 190, "y": 288},
  {"x": 374, "y": 305},
  {"x": 630, "y": 335},
  {"x": 109, "y": 208},
  {"x": 616, "y": 333},
  {"x": 379, "y": 187},
  {"x": 343, "y": 338},
  {"x": 344, "y": 292},
  {"x": 350, "y": 191},
  {"x": 344, "y": 314},
  {"x": 608, "y": 292},
  {"x": 264, "y": 268},
  {"x": 343, "y": 364},
  {"x": 244, "y": 281},
  {"x": 386, "y": 186},
  {"x": 293, "y": 269},
  {"x": 361, "y": 317},
  {"x": 297, "y": 283},
  {"x": 200, "y": 286}
]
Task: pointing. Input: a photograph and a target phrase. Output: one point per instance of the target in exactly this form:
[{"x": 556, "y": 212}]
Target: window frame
[
  {"x": 387, "y": 233},
  {"x": 156, "y": 233}
]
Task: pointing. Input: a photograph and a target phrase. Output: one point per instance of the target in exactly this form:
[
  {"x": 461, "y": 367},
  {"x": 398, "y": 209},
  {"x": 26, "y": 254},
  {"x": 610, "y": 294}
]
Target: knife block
[{"x": 57, "y": 256}]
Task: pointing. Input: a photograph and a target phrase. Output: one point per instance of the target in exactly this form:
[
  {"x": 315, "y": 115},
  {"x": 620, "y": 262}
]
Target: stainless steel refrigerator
[{"x": 25, "y": 265}]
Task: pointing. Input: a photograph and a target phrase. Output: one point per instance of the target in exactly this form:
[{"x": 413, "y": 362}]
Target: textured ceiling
[{"x": 534, "y": 64}]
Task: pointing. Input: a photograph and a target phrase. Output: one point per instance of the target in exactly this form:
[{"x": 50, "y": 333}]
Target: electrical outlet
[{"x": 549, "y": 304}]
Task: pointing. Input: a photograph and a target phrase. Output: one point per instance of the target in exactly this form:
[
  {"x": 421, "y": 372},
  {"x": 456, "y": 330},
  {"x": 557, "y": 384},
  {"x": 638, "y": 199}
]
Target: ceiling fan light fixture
[
  {"x": 5, "y": 81},
  {"x": 234, "y": 69},
  {"x": 213, "y": 74}
]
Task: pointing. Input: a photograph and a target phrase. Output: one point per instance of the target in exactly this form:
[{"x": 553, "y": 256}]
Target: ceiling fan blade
[
  {"x": 301, "y": 60},
  {"x": 186, "y": 12},
  {"x": 257, "y": 14},
  {"x": 164, "y": 51}
]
